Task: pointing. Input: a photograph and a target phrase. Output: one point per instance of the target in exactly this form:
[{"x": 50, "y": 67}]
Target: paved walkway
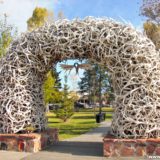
[
  {"x": 9, "y": 155},
  {"x": 88, "y": 146},
  {"x": 84, "y": 147}
]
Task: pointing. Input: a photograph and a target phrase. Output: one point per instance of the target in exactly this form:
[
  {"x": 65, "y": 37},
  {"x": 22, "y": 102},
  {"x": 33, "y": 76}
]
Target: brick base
[
  {"x": 114, "y": 147},
  {"x": 32, "y": 142}
]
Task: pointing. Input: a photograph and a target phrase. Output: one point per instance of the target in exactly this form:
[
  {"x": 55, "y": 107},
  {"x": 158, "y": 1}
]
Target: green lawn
[
  {"x": 79, "y": 123},
  {"x": 104, "y": 109}
]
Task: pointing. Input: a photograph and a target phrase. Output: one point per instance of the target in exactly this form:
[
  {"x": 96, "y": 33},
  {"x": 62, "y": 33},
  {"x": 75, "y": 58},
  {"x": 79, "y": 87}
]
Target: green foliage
[
  {"x": 7, "y": 33},
  {"x": 39, "y": 17},
  {"x": 79, "y": 123},
  {"x": 30, "y": 129},
  {"x": 96, "y": 82},
  {"x": 51, "y": 88},
  {"x": 67, "y": 104},
  {"x": 66, "y": 110},
  {"x": 153, "y": 32}
]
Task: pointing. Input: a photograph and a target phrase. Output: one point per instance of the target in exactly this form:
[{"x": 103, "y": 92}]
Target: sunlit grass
[
  {"x": 81, "y": 122},
  {"x": 104, "y": 109}
]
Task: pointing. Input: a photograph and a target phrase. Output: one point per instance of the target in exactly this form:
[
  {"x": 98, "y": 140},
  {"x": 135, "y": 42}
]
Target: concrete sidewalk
[
  {"x": 86, "y": 146},
  {"x": 9, "y": 155},
  {"x": 95, "y": 135}
]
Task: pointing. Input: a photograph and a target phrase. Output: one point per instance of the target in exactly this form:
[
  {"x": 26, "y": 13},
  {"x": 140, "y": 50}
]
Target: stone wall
[
  {"x": 31, "y": 142},
  {"x": 114, "y": 147}
]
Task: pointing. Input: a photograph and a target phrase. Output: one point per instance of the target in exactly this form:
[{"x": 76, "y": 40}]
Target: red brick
[
  {"x": 108, "y": 140},
  {"x": 116, "y": 149},
  {"x": 157, "y": 151},
  {"x": 154, "y": 140},
  {"x": 12, "y": 144},
  {"x": 31, "y": 142},
  {"x": 127, "y": 151},
  {"x": 2, "y": 139},
  {"x": 150, "y": 149},
  {"x": 21, "y": 145},
  {"x": 117, "y": 145},
  {"x": 126, "y": 141},
  {"x": 107, "y": 148},
  {"x": 130, "y": 143},
  {"x": 44, "y": 141},
  {"x": 140, "y": 151},
  {"x": 29, "y": 147},
  {"x": 115, "y": 153}
]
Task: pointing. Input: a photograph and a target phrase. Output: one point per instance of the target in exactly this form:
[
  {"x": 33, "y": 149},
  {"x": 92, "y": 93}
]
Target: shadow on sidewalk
[
  {"x": 69, "y": 151},
  {"x": 85, "y": 146},
  {"x": 77, "y": 148}
]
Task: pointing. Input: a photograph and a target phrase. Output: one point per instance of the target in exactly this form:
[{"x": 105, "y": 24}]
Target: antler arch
[{"x": 129, "y": 55}]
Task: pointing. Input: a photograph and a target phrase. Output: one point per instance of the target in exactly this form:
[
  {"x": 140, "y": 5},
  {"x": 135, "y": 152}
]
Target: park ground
[{"x": 80, "y": 123}]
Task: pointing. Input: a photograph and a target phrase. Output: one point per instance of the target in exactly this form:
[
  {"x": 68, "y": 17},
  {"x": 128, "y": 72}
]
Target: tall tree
[
  {"x": 7, "y": 34},
  {"x": 39, "y": 17},
  {"x": 51, "y": 88},
  {"x": 96, "y": 83},
  {"x": 153, "y": 32},
  {"x": 151, "y": 10},
  {"x": 67, "y": 104}
]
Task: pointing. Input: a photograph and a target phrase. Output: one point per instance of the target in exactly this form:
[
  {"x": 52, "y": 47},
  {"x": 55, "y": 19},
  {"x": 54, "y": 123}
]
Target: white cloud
[{"x": 19, "y": 11}]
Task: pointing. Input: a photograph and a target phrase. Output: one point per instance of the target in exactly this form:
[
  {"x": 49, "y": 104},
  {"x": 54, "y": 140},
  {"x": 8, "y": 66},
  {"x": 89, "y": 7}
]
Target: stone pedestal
[
  {"x": 32, "y": 142},
  {"x": 114, "y": 147}
]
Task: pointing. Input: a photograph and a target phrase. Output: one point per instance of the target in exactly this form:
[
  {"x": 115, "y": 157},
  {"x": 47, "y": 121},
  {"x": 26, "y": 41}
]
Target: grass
[
  {"x": 81, "y": 122},
  {"x": 104, "y": 109}
]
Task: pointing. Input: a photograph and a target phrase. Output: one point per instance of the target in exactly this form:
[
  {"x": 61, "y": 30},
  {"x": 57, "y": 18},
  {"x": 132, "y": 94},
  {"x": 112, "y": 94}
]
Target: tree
[
  {"x": 151, "y": 10},
  {"x": 153, "y": 32},
  {"x": 39, "y": 17},
  {"x": 51, "y": 88},
  {"x": 67, "y": 104},
  {"x": 96, "y": 83},
  {"x": 7, "y": 34}
]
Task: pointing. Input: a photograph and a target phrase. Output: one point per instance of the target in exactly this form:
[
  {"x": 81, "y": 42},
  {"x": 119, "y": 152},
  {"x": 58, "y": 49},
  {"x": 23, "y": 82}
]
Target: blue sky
[
  {"x": 117, "y": 9},
  {"x": 19, "y": 11}
]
